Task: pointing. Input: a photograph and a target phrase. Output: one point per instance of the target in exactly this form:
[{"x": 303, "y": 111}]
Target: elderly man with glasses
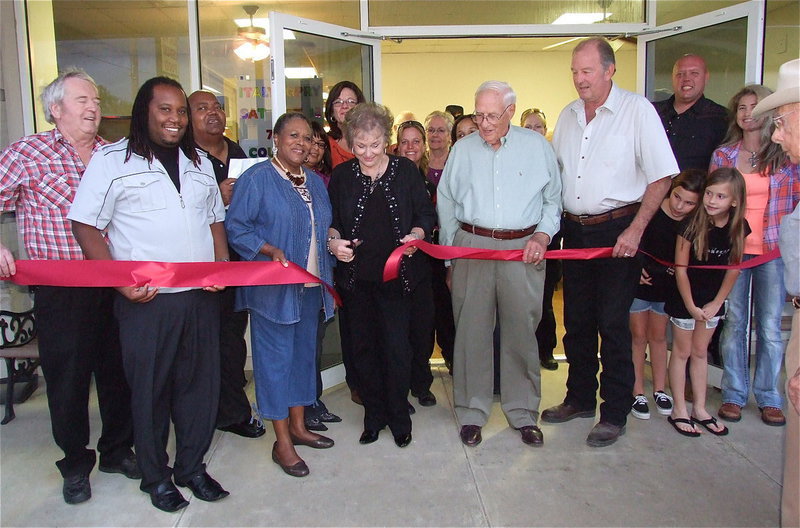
[{"x": 500, "y": 190}]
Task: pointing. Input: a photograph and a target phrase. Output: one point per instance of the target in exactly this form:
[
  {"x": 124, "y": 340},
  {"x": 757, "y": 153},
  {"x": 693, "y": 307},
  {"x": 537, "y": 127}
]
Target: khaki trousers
[{"x": 512, "y": 290}]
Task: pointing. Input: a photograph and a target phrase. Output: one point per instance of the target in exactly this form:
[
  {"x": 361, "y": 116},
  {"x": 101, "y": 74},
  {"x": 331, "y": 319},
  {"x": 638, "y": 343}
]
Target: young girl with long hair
[
  {"x": 714, "y": 235},
  {"x": 648, "y": 319}
]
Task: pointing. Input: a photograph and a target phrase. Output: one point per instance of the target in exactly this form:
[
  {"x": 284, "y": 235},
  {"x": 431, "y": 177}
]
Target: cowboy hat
[{"x": 788, "y": 90}]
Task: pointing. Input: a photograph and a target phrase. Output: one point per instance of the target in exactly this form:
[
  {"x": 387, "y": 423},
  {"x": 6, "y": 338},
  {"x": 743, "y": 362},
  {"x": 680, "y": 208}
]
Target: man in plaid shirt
[{"x": 78, "y": 335}]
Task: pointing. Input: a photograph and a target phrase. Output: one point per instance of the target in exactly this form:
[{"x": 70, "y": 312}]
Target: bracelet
[{"x": 328, "y": 243}]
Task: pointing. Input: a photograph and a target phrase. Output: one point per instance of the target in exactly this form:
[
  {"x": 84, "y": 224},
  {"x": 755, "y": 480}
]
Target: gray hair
[
  {"x": 365, "y": 117},
  {"x": 500, "y": 87},
  {"x": 603, "y": 48},
  {"x": 53, "y": 93},
  {"x": 447, "y": 116}
]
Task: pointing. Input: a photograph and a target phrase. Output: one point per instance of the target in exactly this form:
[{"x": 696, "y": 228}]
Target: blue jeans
[{"x": 768, "y": 299}]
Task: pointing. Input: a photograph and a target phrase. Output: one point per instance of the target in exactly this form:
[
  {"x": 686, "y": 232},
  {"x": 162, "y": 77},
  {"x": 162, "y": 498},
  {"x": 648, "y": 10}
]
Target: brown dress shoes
[
  {"x": 565, "y": 412},
  {"x": 471, "y": 435},
  {"x": 772, "y": 416},
  {"x": 532, "y": 435},
  {"x": 730, "y": 412},
  {"x": 604, "y": 434}
]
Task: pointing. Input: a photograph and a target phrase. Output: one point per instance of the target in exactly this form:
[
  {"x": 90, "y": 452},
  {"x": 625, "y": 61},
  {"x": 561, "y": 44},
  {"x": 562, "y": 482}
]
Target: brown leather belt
[
  {"x": 625, "y": 210},
  {"x": 498, "y": 234}
]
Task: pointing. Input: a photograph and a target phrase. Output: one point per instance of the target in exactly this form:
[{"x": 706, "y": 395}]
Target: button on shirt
[
  {"x": 609, "y": 162},
  {"x": 513, "y": 187},
  {"x": 38, "y": 178},
  {"x": 147, "y": 219},
  {"x": 696, "y": 132}
]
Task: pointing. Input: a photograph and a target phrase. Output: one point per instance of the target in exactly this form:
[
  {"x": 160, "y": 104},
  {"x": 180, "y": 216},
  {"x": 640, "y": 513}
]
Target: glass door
[
  {"x": 731, "y": 42},
  {"x": 308, "y": 57}
]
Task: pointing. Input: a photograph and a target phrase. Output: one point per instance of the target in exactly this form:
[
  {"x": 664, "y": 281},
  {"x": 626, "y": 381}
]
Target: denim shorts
[
  {"x": 640, "y": 305},
  {"x": 688, "y": 324}
]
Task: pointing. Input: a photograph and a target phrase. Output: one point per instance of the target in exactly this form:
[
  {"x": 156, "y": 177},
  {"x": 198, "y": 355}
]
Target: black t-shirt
[
  {"x": 378, "y": 240},
  {"x": 694, "y": 134},
  {"x": 658, "y": 240},
  {"x": 704, "y": 283}
]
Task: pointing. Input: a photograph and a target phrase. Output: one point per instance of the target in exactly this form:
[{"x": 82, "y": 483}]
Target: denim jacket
[{"x": 267, "y": 209}]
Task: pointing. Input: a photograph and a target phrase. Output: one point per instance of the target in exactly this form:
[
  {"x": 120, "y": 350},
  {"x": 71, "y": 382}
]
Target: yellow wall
[{"x": 424, "y": 82}]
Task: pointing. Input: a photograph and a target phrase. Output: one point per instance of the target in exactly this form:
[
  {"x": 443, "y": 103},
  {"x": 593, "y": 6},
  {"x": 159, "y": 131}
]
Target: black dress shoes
[
  {"x": 205, "y": 488},
  {"x": 402, "y": 440},
  {"x": 315, "y": 424},
  {"x": 127, "y": 466},
  {"x": 368, "y": 436},
  {"x": 322, "y": 442},
  {"x": 549, "y": 364},
  {"x": 564, "y": 412},
  {"x": 298, "y": 469},
  {"x": 251, "y": 428},
  {"x": 77, "y": 489},
  {"x": 166, "y": 497},
  {"x": 427, "y": 399},
  {"x": 532, "y": 435},
  {"x": 471, "y": 435}
]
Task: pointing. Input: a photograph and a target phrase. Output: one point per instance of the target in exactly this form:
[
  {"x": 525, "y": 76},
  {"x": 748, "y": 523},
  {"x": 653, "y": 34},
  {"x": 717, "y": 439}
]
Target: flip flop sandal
[
  {"x": 711, "y": 421},
  {"x": 675, "y": 421}
]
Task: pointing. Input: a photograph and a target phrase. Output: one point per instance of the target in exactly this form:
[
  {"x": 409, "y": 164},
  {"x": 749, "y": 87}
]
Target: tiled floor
[{"x": 651, "y": 477}]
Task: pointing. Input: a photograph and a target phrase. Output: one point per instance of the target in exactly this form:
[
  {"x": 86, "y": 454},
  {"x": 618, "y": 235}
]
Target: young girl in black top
[
  {"x": 648, "y": 320},
  {"x": 714, "y": 235}
]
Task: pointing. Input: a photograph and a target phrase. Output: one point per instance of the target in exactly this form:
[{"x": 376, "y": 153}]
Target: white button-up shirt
[
  {"x": 609, "y": 162},
  {"x": 146, "y": 217}
]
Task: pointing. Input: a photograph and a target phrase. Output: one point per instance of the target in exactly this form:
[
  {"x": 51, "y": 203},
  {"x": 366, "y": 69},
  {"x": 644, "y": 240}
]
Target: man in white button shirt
[
  {"x": 616, "y": 168},
  {"x": 500, "y": 190}
]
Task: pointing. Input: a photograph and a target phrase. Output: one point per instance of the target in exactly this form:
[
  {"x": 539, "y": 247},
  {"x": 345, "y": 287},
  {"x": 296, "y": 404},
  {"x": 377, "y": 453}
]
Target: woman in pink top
[
  {"x": 343, "y": 96},
  {"x": 773, "y": 190}
]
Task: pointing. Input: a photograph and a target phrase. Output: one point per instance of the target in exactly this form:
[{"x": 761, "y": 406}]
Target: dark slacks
[
  {"x": 597, "y": 296},
  {"x": 78, "y": 337},
  {"x": 443, "y": 310},
  {"x": 421, "y": 337},
  {"x": 234, "y": 407},
  {"x": 546, "y": 331},
  {"x": 378, "y": 316},
  {"x": 170, "y": 350},
  {"x": 350, "y": 373}
]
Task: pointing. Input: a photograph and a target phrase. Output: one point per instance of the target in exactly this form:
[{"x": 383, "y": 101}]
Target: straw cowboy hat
[{"x": 788, "y": 90}]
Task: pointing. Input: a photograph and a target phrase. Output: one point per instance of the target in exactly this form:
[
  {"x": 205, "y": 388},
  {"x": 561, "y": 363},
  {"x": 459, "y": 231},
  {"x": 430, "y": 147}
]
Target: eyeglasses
[
  {"x": 778, "y": 121},
  {"x": 349, "y": 102},
  {"x": 432, "y": 130},
  {"x": 493, "y": 119},
  {"x": 319, "y": 144}
]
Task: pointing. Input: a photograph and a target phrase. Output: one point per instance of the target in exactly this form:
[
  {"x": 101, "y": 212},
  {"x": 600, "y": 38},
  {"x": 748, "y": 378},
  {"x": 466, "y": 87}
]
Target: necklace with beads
[{"x": 296, "y": 179}]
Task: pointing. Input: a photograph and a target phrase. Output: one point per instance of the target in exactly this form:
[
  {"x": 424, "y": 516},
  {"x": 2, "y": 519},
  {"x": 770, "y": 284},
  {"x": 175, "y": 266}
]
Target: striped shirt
[{"x": 39, "y": 175}]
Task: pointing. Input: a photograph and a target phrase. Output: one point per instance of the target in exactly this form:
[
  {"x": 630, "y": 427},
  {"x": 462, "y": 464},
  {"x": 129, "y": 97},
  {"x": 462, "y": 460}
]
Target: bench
[{"x": 18, "y": 348}]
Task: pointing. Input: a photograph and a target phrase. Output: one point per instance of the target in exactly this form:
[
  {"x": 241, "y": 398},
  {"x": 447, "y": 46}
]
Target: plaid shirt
[
  {"x": 39, "y": 175},
  {"x": 784, "y": 191}
]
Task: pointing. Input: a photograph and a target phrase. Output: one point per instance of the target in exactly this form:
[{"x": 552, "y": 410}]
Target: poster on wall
[{"x": 255, "y": 116}]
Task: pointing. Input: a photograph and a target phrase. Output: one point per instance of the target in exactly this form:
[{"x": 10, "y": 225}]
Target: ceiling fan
[{"x": 254, "y": 42}]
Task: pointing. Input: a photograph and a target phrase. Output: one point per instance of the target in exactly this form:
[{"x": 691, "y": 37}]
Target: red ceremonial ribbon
[
  {"x": 116, "y": 273},
  {"x": 392, "y": 267}
]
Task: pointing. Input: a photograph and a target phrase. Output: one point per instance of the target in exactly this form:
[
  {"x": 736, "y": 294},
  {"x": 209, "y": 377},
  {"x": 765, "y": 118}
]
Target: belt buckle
[
  {"x": 796, "y": 303},
  {"x": 493, "y": 237},
  {"x": 583, "y": 217}
]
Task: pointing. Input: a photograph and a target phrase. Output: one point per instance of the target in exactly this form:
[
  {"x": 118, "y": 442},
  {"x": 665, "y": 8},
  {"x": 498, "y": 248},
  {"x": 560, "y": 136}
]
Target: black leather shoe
[
  {"x": 329, "y": 417},
  {"x": 205, "y": 488},
  {"x": 427, "y": 399},
  {"x": 549, "y": 364},
  {"x": 323, "y": 442},
  {"x": 470, "y": 435},
  {"x": 532, "y": 435},
  {"x": 127, "y": 466},
  {"x": 77, "y": 489},
  {"x": 564, "y": 412},
  {"x": 315, "y": 424},
  {"x": 166, "y": 497},
  {"x": 402, "y": 440},
  {"x": 604, "y": 434},
  {"x": 298, "y": 469},
  {"x": 251, "y": 428},
  {"x": 368, "y": 436}
]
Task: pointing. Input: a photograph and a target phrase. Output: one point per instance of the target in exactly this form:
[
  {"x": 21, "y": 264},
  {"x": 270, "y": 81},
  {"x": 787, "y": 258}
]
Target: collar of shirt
[
  {"x": 612, "y": 104},
  {"x": 58, "y": 138}
]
